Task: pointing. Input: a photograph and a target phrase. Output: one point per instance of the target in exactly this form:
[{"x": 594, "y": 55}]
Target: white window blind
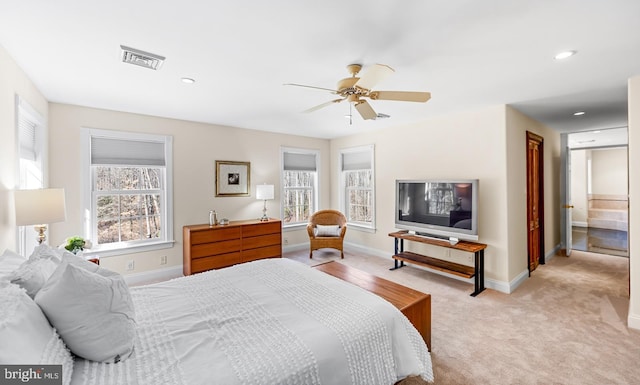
[
  {"x": 357, "y": 160},
  {"x": 299, "y": 162},
  {"x": 110, "y": 151},
  {"x": 28, "y": 143}
]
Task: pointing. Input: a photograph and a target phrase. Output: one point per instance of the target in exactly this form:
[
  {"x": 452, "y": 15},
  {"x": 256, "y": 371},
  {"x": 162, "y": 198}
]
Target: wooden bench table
[{"x": 415, "y": 305}]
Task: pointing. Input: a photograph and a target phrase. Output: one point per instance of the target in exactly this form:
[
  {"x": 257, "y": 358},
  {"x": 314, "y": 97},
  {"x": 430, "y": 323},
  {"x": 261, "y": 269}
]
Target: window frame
[
  {"x": 344, "y": 192},
  {"x": 315, "y": 188},
  {"x": 25, "y": 240},
  {"x": 90, "y": 202}
]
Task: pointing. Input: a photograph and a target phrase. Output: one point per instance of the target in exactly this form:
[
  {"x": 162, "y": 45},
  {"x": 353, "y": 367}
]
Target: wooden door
[{"x": 535, "y": 201}]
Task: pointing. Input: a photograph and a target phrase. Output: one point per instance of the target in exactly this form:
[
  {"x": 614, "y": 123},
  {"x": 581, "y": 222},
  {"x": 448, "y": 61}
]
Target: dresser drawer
[
  {"x": 261, "y": 229},
  {"x": 261, "y": 241},
  {"x": 214, "y": 235},
  {"x": 215, "y": 248},
  {"x": 215, "y": 262},
  {"x": 262, "y": 252}
]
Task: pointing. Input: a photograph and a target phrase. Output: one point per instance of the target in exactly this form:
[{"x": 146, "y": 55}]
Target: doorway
[{"x": 599, "y": 196}]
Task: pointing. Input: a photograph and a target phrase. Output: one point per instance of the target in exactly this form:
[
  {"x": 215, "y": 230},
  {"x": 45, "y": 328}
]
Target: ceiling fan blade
[
  {"x": 373, "y": 75},
  {"x": 404, "y": 96},
  {"x": 323, "y": 105},
  {"x": 365, "y": 110},
  {"x": 314, "y": 87}
]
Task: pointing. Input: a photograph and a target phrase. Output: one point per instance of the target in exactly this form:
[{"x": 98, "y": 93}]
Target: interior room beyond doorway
[{"x": 599, "y": 195}]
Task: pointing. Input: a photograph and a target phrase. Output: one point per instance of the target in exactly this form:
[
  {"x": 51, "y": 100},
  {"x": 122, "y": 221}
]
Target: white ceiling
[{"x": 469, "y": 54}]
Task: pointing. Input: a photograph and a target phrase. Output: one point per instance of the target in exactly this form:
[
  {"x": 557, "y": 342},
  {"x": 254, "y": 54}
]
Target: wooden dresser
[{"x": 212, "y": 247}]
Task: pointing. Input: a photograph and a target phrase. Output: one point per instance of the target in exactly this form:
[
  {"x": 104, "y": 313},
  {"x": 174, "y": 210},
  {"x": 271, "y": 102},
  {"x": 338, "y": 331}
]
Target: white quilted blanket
[{"x": 269, "y": 322}]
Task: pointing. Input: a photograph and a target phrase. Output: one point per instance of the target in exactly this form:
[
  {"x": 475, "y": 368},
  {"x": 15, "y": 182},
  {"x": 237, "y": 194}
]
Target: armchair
[{"x": 326, "y": 229}]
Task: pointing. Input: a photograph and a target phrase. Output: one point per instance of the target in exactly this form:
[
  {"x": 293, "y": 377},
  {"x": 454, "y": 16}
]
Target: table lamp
[
  {"x": 265, "y": 192},
  {"x": 40, "y": 207}
]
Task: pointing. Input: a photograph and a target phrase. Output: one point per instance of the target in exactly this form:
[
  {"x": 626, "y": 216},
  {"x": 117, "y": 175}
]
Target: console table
[
  {"x": 477, "y": 271},
  {"x": 212, "y": 247}
]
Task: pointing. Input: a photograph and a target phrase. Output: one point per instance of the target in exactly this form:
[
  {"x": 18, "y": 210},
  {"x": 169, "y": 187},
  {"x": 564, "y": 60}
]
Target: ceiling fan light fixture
[{"x": 565, "y": 54}]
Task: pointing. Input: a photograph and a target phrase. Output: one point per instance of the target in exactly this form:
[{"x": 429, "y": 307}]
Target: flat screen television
[{"x": 438, "y": 208}]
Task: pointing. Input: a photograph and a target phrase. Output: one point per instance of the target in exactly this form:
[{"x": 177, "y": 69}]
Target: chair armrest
[
  {"x": 343, "y": 231},
  {"x": 310, "y": 230}
]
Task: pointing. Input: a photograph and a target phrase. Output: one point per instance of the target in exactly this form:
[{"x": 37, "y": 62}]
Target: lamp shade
[
  {"x": 40, "y": 206},
  {"x": 265, "y": 192}
]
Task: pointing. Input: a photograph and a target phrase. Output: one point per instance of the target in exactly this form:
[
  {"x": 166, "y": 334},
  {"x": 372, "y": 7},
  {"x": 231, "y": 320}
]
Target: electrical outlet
[
  {"x": 286, "y": 241},
  {"x": 131, "y": 265},
  {"x": 163, "y": 260}
]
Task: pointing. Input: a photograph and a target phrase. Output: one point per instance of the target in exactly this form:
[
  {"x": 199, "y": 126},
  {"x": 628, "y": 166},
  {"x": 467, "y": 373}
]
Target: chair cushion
[{"x": 327, "y": 231}]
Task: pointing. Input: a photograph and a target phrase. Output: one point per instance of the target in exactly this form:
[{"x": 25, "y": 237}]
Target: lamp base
[
  {"x": 41, "y": 230},
  {"x": 264, "y": 217}
]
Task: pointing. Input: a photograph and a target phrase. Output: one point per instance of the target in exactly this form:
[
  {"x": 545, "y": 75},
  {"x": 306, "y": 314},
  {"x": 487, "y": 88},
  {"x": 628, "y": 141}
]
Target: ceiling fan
[{"x": 353, "y": 89}]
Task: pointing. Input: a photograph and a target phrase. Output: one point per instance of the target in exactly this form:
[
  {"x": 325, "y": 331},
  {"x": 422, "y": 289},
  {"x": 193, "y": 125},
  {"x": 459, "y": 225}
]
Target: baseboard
[
  {"x": 579, "y": 224},
  {"x": 296, "y": 247},
  {"x": 550, "y": 255},
  {"x": 368, "y": 250},
  {"x": 156, "y": 275},
  {"x": 633, "y": 321}
]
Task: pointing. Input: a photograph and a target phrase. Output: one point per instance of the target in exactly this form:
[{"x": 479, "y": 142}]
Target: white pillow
[
  {"x": 34, "y": 272},
  {"x": 9, "y": 262},
  {"x": 327, "y": 231},
  {"x": 93, "y": 313},
  {"x": 27, "y": 338},
  {"x": 43, "y": 250}
]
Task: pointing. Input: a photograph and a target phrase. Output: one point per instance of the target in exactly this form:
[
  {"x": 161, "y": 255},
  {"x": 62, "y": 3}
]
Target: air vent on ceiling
[{"x": 141, "y": 58}]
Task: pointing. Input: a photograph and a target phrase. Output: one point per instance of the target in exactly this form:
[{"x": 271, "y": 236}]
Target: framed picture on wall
[{"x": 233, "y": 179}]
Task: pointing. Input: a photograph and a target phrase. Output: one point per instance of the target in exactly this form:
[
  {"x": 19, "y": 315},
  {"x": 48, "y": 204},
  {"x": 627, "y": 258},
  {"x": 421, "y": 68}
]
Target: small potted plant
[{"x": 77, "y": 244}]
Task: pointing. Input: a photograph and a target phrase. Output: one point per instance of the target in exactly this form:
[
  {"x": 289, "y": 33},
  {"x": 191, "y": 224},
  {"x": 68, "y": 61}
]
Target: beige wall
[
  {"x": 579, "y": 186},
  {"x": 467, "y": 146},
  {"x": 634, "y": 202},
  {"x": 609, "y": 171},
  {"x": 196, "y": 147},
  {"x": 13, "y": 81},
  {"x": 517, "y": 124}
]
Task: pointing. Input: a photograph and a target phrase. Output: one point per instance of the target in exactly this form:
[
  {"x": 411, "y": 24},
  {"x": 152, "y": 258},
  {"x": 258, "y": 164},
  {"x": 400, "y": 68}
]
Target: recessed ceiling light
[
  {"x": 579, "y": 113},
  {"x": 597, "y": 132},
  {"x": 188, "y": 80},
  {"x": 565, "y": 54}
]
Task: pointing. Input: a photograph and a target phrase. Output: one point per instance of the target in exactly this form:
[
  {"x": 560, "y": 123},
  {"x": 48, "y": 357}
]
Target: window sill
[
  {"x": 297, "y": 226},
  {"x": 106, "y": 251},
  {"x": 366, "y": 229}
]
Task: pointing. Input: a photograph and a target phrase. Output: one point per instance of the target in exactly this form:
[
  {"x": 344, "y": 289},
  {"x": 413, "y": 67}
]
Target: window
[
  {"x": 358, "y": 187},
  {"x": 299, "y": 185},
  {"x": 30, "y": 133},
  {"x": 128, "y": 197}
]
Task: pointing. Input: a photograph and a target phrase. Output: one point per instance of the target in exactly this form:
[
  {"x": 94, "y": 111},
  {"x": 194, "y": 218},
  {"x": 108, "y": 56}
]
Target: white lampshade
[
  {"x": 265, "y": 192},
  {"x": 41, "y": 206}
]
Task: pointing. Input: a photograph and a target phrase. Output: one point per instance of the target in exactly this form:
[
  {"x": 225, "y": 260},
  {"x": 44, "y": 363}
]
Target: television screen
[{"x": 441, "y": 208}]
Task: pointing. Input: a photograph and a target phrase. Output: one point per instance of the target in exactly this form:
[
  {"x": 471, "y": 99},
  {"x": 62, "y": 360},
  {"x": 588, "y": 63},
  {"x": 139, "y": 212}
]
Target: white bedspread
[{"x": 272, "y": 321}]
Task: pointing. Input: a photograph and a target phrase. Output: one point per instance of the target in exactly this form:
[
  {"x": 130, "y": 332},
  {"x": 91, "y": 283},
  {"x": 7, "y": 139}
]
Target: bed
[{"x": 272, "y": 321}]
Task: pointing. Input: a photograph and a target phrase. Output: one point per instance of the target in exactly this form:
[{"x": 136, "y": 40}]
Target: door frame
[{"x": 540, "y": 140}]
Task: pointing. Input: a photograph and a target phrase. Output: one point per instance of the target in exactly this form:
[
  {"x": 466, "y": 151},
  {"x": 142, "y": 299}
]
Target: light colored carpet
[{"x": 565, "y": 325}]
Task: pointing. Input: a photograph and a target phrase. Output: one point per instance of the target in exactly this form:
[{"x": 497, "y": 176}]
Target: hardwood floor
[{"x": 602, "y": 241}]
